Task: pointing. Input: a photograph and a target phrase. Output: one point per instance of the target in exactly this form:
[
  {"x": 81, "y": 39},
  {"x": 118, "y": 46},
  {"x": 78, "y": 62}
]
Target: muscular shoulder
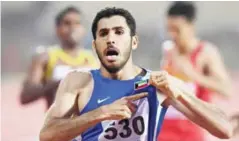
[{"x": 78, "y": 79}]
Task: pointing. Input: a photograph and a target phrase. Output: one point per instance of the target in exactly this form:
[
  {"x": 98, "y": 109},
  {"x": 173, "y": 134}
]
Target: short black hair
[
  {"x": 65, "y": 11},
  {"x": 113, "y": 11},
  {"x": 181, "y": 8}
]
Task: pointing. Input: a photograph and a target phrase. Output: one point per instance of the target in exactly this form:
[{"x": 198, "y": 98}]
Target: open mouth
[{"x": 111, "y": 54}]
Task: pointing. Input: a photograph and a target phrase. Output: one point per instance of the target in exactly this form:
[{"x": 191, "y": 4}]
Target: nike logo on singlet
[
  {"x": 102, "y": 100},
  {"x": 145, "y": 123}
]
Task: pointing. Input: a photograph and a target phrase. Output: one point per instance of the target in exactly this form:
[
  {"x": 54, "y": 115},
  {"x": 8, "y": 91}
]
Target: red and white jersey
[{"x": 167, "y": 65}]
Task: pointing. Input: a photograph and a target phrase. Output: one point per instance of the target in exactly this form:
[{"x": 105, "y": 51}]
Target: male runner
[
  {"x": 121, "y": 101},
  {"x": 50, "y": 66},
  {"x": 196, "y": 62}
]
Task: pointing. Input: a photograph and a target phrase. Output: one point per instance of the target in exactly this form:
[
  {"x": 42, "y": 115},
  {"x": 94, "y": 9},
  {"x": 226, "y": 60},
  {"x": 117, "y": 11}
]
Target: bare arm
[
  {"x": 218, "y": 80},
  {"x": 33, "y": 87},
  {"x": 62, "y": 128},
  {"x": 204, "y": 114},
  {"x": 183, "y": 99},
  {"x": 59, "y": 123}
]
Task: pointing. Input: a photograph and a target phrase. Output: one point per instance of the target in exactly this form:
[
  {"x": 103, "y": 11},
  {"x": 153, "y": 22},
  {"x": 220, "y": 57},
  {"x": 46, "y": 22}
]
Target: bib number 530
[{"x": 137, "y": 125}]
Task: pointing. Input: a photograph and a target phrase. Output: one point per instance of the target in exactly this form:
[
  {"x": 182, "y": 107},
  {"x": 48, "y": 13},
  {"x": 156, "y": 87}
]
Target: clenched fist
[{"x": 165, "y": 83}]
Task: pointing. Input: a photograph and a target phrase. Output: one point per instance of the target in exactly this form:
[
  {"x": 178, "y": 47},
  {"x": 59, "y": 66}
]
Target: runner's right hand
[{"x": 122, "y": 108}]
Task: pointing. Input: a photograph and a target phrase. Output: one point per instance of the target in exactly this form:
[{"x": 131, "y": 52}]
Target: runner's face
[{"x": 113, "y": 43}]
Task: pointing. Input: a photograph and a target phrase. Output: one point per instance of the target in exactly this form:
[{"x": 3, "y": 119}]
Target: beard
[{"x": 118, "y": 66}]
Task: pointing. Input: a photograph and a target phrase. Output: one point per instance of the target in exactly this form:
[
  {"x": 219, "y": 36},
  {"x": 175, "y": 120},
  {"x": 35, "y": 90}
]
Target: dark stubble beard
[{"x": 115, "y": 69}]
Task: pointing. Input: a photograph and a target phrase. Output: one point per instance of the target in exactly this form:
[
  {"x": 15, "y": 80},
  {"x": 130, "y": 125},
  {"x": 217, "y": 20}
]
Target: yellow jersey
[{"x": 60, "y": 63}]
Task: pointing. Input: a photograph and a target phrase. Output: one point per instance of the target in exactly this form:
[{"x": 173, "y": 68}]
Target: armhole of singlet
[
  {"x": 90, "y": 71},
  {"x": 93, "y": 75}
]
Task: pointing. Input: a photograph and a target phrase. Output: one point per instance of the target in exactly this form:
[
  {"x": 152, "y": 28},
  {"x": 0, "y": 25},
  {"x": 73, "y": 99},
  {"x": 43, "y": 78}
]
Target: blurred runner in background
[
  {"x": 51, "y": 64},
  {"x": 197, "y": 62}
]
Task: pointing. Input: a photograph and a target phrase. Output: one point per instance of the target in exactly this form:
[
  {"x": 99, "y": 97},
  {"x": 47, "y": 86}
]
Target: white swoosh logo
[{"x": 102, "y": 100}]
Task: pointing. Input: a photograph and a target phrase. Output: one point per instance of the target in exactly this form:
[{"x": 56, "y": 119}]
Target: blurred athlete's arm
[
  {"x": 59, "y": 123},
  {"x": 180, "y": 97},
  {"x": 218, "y": 80},
  {"x": 33, "y": 87}
]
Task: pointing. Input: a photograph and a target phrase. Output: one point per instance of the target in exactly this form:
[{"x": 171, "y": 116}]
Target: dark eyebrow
[
  {"x": 118, "y": 27},
  {"x": 103, "y": 29},
  {"x": 114, "y": 28}
]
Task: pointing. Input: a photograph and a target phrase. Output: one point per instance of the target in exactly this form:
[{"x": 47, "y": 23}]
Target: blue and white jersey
[{"x": 144, "y": 125}]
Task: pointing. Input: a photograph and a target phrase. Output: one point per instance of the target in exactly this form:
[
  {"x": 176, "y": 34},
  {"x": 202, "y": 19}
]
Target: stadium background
[{"x": 26, "y": 25}]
